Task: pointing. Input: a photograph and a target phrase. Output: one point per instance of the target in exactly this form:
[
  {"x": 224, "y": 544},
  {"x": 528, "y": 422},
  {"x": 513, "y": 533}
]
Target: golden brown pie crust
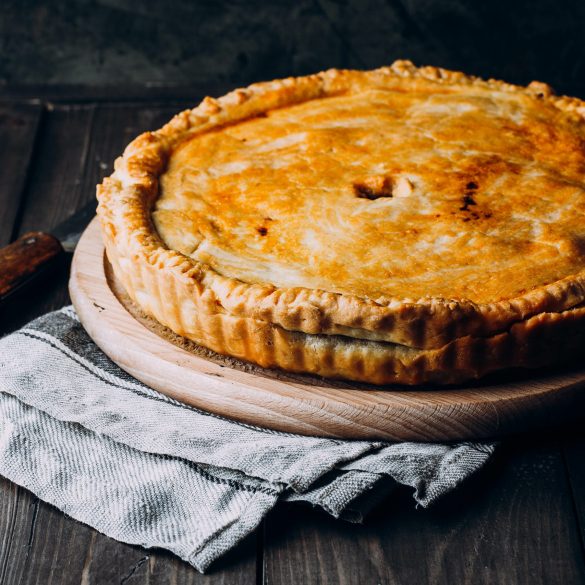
[{"x": 481, "y": 181}]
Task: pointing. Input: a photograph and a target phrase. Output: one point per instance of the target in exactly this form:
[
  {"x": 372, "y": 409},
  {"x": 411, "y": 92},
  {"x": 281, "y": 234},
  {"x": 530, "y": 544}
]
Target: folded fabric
[{"x": 142, "y": 468}]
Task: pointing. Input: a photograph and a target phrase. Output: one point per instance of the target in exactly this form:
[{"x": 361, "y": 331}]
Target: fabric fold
[{"x": 143, "y": 468}]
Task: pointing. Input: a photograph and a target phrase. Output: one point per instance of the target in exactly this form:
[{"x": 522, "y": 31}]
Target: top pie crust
[{"x": 407, "y": 205}]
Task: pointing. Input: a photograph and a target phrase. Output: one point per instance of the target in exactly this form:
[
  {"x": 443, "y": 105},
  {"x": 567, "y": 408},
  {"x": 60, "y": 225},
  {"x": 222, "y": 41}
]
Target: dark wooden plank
[
  {"x": 18, "y": 129},
  {"x": 54, "y": 189},
  {"x": 77, "y": 148},
  {"x": 53, "y": 193},
  {"x": 40, "y": 544},
  {"x": 107, "y": 561},
  {"x": 574, "y": 452},
  {"x": 16, "y": 516},
  {"x": 512, "y": 524},
  {"x": 115, "y": 127}
]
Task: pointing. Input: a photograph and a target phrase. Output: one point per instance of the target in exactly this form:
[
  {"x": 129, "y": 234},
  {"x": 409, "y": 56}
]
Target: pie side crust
[
  {"x": 182, "y": 293},
  {"x": 541, "y": 340}
]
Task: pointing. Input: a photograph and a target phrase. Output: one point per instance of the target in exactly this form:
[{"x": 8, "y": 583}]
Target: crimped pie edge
[{"x": 544, "y": 339}]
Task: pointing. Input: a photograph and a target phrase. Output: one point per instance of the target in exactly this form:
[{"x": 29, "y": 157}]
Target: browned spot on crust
[{"x": 467, "y": 201}]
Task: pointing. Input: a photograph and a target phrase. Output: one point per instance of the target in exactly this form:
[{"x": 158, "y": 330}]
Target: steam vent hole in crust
[{"x": 379, "y": 186}]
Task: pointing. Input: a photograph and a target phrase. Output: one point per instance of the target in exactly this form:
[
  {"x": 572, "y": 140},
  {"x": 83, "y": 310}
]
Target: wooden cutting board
[{"x": 307, "y": 404}]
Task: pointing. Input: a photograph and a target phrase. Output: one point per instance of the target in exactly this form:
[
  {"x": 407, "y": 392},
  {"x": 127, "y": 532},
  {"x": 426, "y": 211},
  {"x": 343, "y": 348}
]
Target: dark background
[{"x": 123, "y": 43}]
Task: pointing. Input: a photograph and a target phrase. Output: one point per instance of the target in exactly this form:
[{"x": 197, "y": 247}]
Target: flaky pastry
[{"x": 397, "y": 225}]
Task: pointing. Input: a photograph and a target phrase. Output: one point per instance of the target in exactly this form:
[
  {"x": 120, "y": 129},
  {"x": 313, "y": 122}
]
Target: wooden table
[{"x": 521, "y": 520}]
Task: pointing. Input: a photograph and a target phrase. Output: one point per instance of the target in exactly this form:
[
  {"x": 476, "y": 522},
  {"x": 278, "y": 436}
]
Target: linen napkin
[{"x": 144, "y": 469}]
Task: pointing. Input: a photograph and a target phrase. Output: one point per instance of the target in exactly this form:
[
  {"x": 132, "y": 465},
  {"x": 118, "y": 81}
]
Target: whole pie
[{"x": 402, "y": 225}]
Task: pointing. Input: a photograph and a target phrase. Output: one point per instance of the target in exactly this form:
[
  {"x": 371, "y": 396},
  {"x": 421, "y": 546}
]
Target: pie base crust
[{"x": 380, "y": 341}]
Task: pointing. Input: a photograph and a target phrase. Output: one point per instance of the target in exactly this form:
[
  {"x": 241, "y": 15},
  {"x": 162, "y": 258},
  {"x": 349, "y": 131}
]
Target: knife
[{"x": 34, "y": 252}]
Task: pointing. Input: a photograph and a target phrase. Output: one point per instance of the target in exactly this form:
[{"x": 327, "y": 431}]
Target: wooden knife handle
[{"x": 22, "y": 260}]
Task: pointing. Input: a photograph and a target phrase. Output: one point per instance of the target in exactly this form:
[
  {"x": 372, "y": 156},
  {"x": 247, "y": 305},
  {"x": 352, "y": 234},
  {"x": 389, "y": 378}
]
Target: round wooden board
[{"x": 306, "y": 404}]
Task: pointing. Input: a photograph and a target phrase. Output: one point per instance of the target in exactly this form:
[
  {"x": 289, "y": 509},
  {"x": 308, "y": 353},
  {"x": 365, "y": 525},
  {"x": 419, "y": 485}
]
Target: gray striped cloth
[{"x": 142, "y": 468}]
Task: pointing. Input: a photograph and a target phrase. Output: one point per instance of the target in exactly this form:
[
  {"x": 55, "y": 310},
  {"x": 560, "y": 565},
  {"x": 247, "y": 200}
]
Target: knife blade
[{"x": 34, "y": 252}]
